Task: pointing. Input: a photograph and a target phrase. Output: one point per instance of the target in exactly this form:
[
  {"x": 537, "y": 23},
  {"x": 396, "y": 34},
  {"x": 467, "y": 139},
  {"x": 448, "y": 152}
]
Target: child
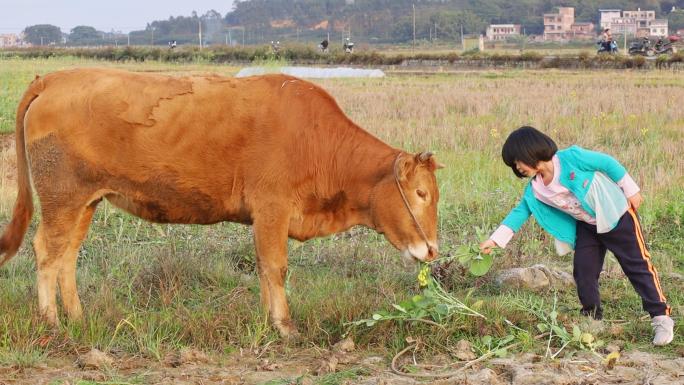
[{"x": 588, "y": 202}]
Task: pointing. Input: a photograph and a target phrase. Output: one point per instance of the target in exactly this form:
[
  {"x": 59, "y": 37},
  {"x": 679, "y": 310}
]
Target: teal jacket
[{"x": 582, "y": 173}]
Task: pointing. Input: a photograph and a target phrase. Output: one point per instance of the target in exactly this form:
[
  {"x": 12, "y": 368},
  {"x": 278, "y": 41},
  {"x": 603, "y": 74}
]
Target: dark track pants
[{"x": 626, "y": 241}]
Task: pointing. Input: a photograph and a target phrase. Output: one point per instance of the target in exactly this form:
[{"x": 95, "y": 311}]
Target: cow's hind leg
[
  {"x": 53, "y": 240},
  {"x": 67, "y": 274},
  {"x": 270, "y": 238}
]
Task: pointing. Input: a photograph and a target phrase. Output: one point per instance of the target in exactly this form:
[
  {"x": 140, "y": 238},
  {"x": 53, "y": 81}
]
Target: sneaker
[{"x": 663, "y": 327}]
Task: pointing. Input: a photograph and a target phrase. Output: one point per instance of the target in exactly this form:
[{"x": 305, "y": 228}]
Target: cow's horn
[{"x": 424, "y": 156}]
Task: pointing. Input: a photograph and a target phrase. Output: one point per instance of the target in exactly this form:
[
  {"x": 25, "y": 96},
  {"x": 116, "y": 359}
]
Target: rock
[
  {"x": 346, "y": 345},
  {"x": 189, "y": 355},
  {"x": 266, "y": 365},
  {"x": 558, "y": 278},
  {"x": 326, "y": 366},
  {"x": 464, "y": 351},
  {"x": 523, "y": 278},
  {"x": 537, "y": 277},
  {"x": 94, "y": 359},
  {"x": 372, "y": 361},
  {"x": 485, "y": 376},
  {"x": 592, "y": 326},
  {"x": 616, "y": 330},
  {"x": 185, "y": 356},
  {"x": 525, "y": 376}
]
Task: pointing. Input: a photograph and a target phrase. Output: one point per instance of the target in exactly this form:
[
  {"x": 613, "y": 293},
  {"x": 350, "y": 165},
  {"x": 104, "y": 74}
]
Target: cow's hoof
[{"x": 287, "y": 329}]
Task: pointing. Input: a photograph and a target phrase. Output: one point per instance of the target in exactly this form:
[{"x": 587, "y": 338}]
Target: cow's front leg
[{"x": 270, "y": 239}]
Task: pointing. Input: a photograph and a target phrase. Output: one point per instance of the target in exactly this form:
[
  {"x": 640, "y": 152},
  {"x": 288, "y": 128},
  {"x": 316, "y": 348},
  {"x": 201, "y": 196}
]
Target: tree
[
  {"x": 85, "y": 35},
  {"x": 43, "y": 34},
  {"x": 676, "y": 20}
]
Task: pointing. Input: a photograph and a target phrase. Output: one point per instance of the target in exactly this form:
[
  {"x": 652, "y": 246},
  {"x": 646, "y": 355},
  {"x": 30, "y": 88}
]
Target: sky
[{"x": 117, "y": 15}]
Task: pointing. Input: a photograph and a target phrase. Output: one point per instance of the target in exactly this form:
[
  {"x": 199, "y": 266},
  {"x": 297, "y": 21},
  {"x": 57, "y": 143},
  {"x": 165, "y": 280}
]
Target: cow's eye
[{"x": 421, "y": 193}]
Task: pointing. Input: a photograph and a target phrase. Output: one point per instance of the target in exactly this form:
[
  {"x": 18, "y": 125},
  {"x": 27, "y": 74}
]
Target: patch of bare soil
[{"x": 303, "y": 366}]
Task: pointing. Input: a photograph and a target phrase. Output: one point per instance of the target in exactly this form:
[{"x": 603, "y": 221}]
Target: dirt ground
[{"x": 301, "y": 367}]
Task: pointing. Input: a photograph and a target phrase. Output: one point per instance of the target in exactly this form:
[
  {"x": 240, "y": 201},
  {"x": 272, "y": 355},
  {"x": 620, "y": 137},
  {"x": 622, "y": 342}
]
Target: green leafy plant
[
  {"x": 434, "y": 305},
  {"x": 558, "y": 333},
  {"x": 477, "y": 263}
]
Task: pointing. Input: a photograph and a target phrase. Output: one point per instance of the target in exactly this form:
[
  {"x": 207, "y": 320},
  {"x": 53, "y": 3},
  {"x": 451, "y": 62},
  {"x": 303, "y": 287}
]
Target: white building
[
  {"x": 624, "y": 25},
  {"x": 607, "y": 16},
  {"x": 658, "y": 27},
  {"x": 643, "y": 18},
  {"x": 502, "y": 31},
  {"x": 635, "y": 23},
  {"x": 9, "y": 40}
]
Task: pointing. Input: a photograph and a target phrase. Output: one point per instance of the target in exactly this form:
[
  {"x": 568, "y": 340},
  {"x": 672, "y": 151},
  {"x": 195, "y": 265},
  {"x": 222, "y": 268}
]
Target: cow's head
[{"x": 415, "y": 175}]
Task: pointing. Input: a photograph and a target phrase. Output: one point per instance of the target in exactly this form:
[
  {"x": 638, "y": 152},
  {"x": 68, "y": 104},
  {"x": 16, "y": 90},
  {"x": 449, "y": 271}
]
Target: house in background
[
  {"x": 561, "y": 26},
  {"x": 637, "y": 23},
  {"x": 497, "y": 32},
  {"x": 606, "y": 17},
  {"x": 584, "y": 31},
  {"x": 624, "y": 25},
  {"x": 556, "y": 25},
  {"x": 658, "y": 27},
  {"x": 10, "y": 40},
  {"x": 643, "y": 18}
]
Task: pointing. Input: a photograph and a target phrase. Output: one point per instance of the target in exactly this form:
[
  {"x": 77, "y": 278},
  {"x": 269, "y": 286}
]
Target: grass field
[{"x": 150, "y": 289}]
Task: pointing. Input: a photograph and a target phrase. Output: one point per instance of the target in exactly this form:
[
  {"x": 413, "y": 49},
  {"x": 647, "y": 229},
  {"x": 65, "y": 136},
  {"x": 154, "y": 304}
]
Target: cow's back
[{"x": 166, "y": 141}]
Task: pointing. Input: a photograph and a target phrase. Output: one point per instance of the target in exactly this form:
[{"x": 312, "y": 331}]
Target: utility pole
[
  {"x": 414, "y": 26},
  {"x": 200, "y": 34},
  {"x": 462, "y": 39}
]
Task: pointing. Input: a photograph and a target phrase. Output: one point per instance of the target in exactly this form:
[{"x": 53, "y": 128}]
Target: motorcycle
[
  {"x": 663, "y": 47},
  {"x": 610, "y": 47},
  {"x": 642, "y": 47},
  {"x": 646, "y": 48},
  {"x": 348, "y": 46},
  {"x": 323, "y": 46},
  {"x": 275, "y": 47}
]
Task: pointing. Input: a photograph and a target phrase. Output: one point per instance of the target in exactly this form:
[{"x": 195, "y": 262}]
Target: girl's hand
[
  {"x": 487, "y": 246},
  {"x": 635, "y": 201}
]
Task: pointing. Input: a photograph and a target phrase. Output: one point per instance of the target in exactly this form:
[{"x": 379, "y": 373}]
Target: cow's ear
[
  {"x": 428, "y": 160},
  {"x": 405, "y": 166}
]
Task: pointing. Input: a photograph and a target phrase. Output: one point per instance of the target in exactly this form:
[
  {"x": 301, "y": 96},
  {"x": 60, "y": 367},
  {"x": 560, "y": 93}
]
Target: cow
[{"x": 274, "y": 152}]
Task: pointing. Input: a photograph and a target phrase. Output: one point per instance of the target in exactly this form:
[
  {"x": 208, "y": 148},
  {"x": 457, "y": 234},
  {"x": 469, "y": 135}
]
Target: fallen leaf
[{"x": 611, "y": 360}]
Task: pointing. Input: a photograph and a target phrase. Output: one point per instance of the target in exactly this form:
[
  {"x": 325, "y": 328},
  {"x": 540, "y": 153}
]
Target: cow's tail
[{"x": 13, "y": 234}]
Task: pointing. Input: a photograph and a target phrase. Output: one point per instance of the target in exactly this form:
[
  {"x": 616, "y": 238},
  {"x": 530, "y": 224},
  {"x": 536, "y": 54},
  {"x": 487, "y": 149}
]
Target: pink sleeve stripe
[
  {"x": 628, "y": 186},
  {"x": 502, "y": 236}
]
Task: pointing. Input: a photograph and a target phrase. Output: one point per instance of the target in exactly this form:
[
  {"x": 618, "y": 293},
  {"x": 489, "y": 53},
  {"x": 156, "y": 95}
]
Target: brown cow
[{"x": 273, "y": 151}]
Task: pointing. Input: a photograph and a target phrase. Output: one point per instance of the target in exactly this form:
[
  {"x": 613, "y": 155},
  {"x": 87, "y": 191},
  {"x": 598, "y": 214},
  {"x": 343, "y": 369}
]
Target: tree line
[{"x": 373, "y": 21}]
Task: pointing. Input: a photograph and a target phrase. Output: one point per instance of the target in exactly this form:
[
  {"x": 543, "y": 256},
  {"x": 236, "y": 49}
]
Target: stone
[
  {"x": 464, "y": 351},
  {"x": 94, "y": 359},
  {"x": 536, "y": 278},
  {"x": 345, "y": 345},
  {"x": 523, "y": 278}
]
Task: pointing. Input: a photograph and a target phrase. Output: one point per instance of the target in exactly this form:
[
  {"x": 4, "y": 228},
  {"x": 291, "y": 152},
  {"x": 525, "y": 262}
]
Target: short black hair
[{"x": 527, "y": 145}]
